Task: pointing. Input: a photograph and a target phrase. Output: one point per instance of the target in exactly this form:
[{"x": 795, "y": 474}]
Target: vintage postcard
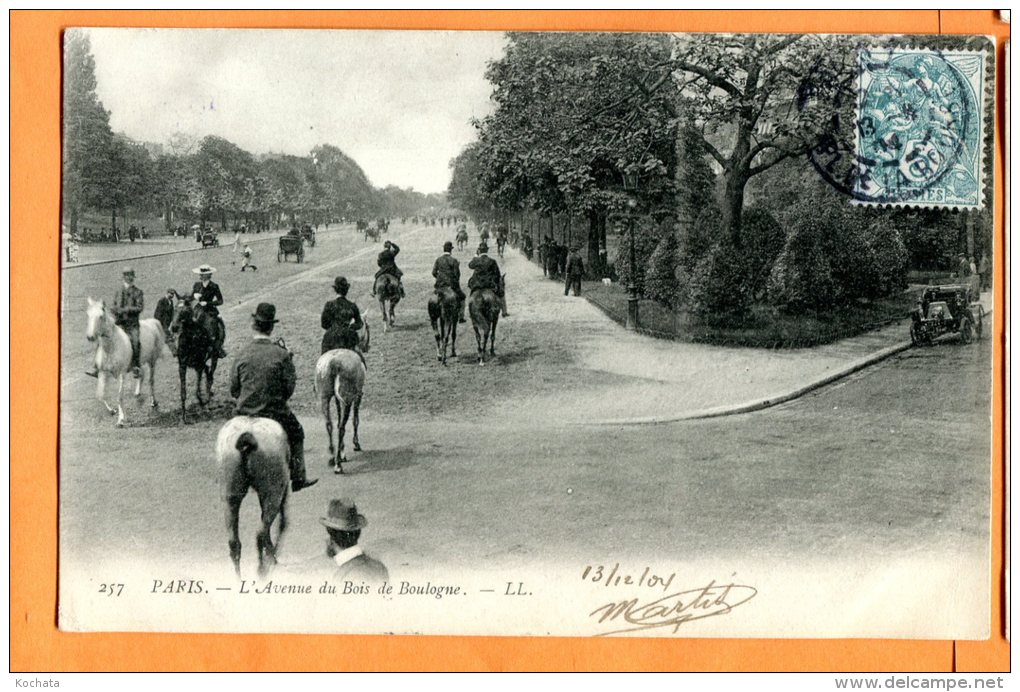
[{"x": 567, "y": 334}]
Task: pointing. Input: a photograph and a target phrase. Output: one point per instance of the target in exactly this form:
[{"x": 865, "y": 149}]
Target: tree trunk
[
  {"x": 736, "y": 178},
  {"x": 74, "y": 220},
  {"x": 594, "y": 262},
  {"x": 113, "y": 225}
]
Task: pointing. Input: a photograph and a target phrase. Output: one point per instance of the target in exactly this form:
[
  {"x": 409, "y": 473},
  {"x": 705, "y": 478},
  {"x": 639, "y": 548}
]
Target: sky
[{"x": 400, "y": 103}]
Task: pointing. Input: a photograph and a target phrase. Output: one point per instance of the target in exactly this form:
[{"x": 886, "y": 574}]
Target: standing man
[
  {"x": 387, "y": 262},
  {"x": 127, "y": 305},
  {"x": 347, "y": 560},
  {"x": 262, "y": 380},
  {"x": 574, "y": 272},
  {"x": 207, "y": 294},
  {"x": 235, "y": 249},
  {"x": 447, "y": 272},
  {"x": 487, "y": 275}
]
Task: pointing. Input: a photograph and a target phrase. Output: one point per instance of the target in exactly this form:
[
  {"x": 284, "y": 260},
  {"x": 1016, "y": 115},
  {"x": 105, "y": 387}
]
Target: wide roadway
[{"x": 465, "y": 467}]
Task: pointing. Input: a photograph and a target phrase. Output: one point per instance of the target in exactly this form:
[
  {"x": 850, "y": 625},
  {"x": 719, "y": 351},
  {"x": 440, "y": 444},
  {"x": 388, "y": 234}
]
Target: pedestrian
[
  {"x": 246, "y": 259},
  {"x": 984, "y": 269},
  {"x": 574, "y": 272},
  {"x": 262, "y": 380},
  {"x": 349, "y": 561},
  {"x": 235, "y": 249}
]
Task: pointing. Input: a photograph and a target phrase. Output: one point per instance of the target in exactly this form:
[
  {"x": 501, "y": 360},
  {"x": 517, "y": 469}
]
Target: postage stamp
[{"x": 919, "y": 127}]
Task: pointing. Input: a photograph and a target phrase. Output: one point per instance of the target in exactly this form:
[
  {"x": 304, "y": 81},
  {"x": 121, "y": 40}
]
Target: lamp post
[{"x": 630, "y": 182}]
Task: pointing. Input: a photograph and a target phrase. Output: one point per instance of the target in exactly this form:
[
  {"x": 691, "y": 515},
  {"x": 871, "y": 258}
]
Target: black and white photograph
[{"x": 526, "y": 333}]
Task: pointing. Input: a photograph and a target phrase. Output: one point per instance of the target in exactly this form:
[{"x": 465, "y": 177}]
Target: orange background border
[{"x": 36, "y": 644}]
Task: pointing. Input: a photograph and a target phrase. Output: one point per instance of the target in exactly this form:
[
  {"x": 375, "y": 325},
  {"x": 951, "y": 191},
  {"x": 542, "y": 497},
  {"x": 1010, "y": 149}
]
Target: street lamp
[{"x": 630, "y": 183}]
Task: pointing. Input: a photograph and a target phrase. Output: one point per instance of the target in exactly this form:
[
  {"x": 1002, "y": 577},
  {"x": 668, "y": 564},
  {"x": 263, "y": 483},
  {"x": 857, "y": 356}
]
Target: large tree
[{"x": 88, "y": 141}]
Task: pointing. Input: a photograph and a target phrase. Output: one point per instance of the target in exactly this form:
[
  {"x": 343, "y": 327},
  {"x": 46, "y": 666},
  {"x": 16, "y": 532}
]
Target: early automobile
[
  {"x": 291, "y": 245},
  {"x": 210, "y": 239},
  {"x": 946, "y": 309}
]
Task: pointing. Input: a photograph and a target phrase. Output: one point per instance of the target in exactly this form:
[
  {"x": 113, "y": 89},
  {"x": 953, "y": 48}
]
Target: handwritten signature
[{"x": 675, "y": 609}]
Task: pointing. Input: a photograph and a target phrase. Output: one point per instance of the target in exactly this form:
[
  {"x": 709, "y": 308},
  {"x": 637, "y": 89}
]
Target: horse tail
[{"x": 246, "y": 444}]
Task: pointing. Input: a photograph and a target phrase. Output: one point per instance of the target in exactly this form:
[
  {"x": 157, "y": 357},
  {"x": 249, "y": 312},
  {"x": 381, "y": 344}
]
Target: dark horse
[
  {"x": 387, "y": 290},
  {"x": 484, "y": 306},
  {"x": 444, "y": 310},
  {"x": 195, "y": 349},
  {"x": 252, "y": 453},
  {"x": 500, "y": 243},
  {"x": 462, "y": 237}
]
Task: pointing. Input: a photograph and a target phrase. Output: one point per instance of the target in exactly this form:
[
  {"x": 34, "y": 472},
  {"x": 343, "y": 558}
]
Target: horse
[
  {"x": 387, "y": 290},
  {"x": 195, "y": 349},
  {"x": 113, "y": 355},
  {"x": 462, "y": 238},
  {"x": 484, "y": 306},
  {"x": 444, "y": 310},
  {"x": 340, "y": 377},
  {"x": 253, "y": 453}
]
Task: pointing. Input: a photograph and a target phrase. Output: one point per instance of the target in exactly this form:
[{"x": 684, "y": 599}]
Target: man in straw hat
[
  {"x": 262, "y": 379},
  {"x": 487, "y": 275},
  {"x": 207, "y": 294},
  {"x": 127, "y": 305},
  {"x": 343, "y": 524}
]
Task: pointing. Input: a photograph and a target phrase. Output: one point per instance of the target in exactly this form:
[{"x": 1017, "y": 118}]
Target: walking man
[{"x": 574, "y": 272}]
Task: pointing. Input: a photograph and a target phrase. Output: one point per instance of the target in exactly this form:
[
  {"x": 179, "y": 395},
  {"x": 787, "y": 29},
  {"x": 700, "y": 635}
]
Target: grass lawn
[{"x": 766, "y": 327}]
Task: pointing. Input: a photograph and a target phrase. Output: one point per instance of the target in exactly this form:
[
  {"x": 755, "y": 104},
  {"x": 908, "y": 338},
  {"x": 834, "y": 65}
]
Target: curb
[
  {"x": 768, "y": 402},
  {"x": 133, "y": 258}
]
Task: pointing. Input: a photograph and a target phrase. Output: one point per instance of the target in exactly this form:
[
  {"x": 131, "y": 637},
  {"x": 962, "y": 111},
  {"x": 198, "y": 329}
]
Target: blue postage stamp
[{"x": 920, "y": 127}]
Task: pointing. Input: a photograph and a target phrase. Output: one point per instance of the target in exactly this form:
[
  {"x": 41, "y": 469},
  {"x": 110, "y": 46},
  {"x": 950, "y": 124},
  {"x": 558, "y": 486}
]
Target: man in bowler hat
[
  {"x": 262, "y": 379},
  {"x": 343, "y": 524}
]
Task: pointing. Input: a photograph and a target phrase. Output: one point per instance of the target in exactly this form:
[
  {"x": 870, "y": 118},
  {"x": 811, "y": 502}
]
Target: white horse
[
  {"x": 340, "y": 377},
  {"x": 113, "y": 354}
]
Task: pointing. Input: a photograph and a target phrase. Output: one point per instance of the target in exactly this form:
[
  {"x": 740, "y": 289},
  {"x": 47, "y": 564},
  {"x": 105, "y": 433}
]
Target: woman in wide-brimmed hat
[{"x": 207, "y": 294}]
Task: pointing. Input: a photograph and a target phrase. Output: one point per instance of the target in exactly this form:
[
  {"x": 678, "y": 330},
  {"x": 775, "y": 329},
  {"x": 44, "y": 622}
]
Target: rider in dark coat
[
  {"x": 207, "y": 294},
  {"x": 487, "y": 275},
  {"x": 341, "y": 319},
  {"x": 447, "y": 273},
  {"x": 165, "y": 309},
  {"x": 262, "y": 379},
  {"x": 388, "y": 265},
  {"x": 127, "y": 305}
]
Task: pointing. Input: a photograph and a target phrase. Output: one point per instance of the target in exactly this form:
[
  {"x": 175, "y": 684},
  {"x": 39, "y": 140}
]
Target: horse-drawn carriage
[
  {"x": 308, "y": 235},
  {"x": 291, "y": 245},
  {"x": 210, "y": 239},
  {"x": 945, "y": 309}
]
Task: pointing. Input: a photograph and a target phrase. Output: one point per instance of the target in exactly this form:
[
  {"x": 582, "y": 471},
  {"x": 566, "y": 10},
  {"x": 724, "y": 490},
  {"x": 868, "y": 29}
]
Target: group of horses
[{"x": 253, "y": 452}]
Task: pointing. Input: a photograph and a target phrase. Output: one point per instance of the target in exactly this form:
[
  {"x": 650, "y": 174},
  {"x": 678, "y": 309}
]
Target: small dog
[{"x": 607, "y": 281}]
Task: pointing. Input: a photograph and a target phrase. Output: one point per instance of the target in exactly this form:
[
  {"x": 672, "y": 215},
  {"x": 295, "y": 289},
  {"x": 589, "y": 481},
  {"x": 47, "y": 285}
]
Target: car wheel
[{"x": 966, "y": 330}]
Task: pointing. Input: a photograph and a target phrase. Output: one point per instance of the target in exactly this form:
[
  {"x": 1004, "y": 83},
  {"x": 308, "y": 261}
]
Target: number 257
[{"x": 111, "y": 589}]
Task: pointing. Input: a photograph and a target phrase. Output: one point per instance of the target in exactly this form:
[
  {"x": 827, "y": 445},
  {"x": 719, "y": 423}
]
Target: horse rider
[
  {"x": 341, "y": 319},
  {"x": 207, "y": 294},
  {"x": 447, "y": 272},
  {"x": 165, "y": 309},
  {"x": 262, "y": 379},
  {"x": 127, "y": 305},
  {"x": 574, "y": 271},
  {"x": 487, "y": 275},
  {"x": 388, "y": 265}
]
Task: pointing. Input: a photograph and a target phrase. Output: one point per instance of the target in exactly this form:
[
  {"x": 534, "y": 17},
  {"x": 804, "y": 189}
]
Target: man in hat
[
  {"x": 387, "y": 262},
  {"x": 574, "y": 272},
  {"x": 341, "y": 319},
  {"x": 487, "y": 275},
  {"x": 447, "y": 272},
  {"x": 127, "y": 305},
  {"x": 262, "y": 379},
  {"x": 207, "y": 294},
  {"x": 165, "y": 309},
  {"x": 350, "y": 563}
]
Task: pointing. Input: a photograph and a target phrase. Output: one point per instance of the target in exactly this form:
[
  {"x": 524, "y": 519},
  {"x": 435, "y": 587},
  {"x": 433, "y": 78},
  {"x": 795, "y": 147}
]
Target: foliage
[
  {"x": 801, "y": 278},
  {"x": 762, "y": 239},
  {"x": 661, "y": 283},
  {"x": 718, "y": 292},
  {"x": 647, "y": 235}
]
